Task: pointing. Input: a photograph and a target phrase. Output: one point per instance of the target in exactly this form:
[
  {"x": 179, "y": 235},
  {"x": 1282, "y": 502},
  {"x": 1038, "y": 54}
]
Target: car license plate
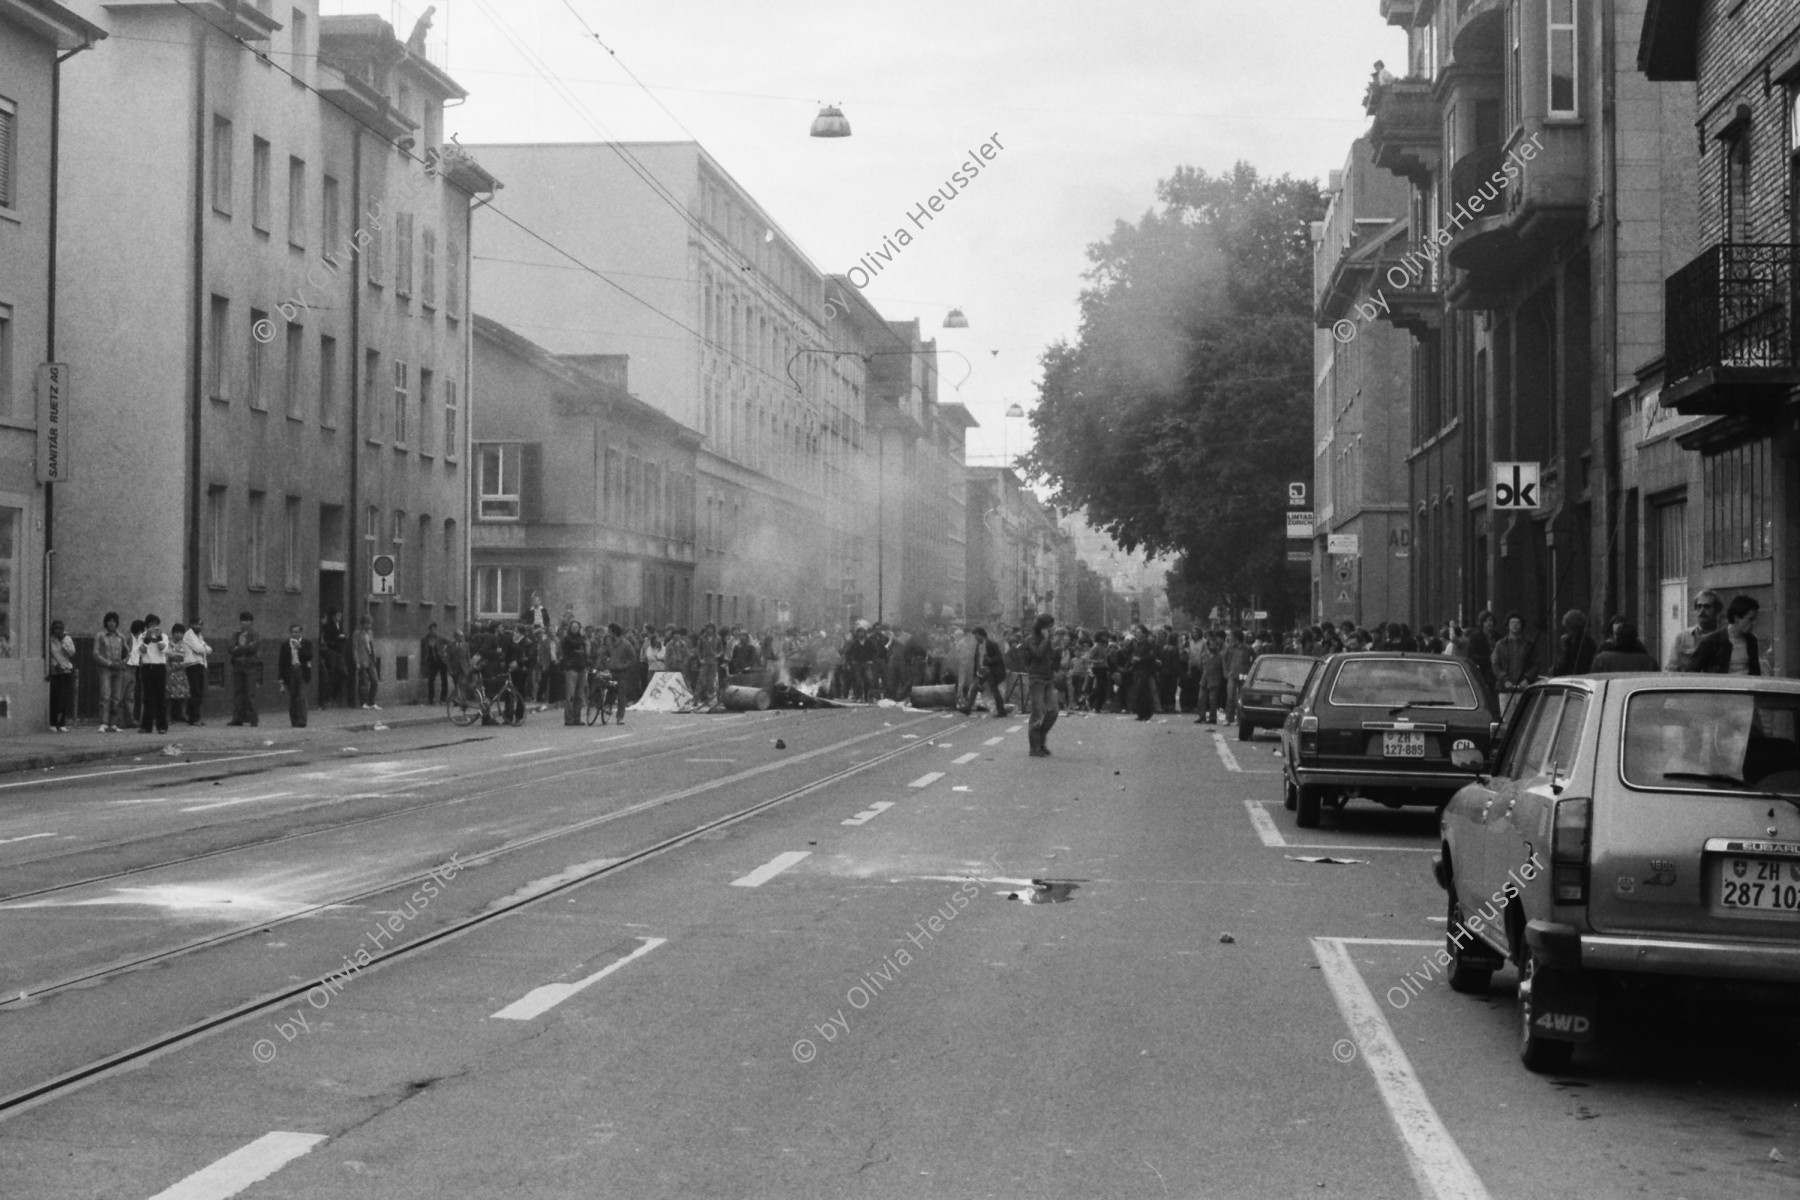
[
  {"x": 1403, "y": 745},
  {"x": 1765, "y": 884}
]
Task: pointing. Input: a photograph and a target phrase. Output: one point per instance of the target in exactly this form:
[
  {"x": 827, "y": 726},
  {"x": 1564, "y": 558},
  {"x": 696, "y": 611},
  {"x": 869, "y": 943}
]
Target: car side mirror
[{"x": 1468, "y": 758}]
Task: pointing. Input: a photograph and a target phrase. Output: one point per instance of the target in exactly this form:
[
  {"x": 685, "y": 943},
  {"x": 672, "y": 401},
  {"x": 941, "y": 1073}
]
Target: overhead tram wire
[{"x": 407, "y": 153}]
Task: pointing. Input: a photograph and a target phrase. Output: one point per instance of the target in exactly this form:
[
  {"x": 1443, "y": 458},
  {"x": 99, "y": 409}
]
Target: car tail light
[{"x": 1569, "y": 851}]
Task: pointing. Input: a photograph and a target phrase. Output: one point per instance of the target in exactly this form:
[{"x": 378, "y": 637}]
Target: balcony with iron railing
[
  {"x": 1728, "y": 330},
  {"x": 1406, "y": 131}
]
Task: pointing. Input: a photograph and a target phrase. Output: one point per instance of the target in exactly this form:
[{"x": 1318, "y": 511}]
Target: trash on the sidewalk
[
  {"x": 1227, "y": 939},
  {"x": 1326, "y": 858}
]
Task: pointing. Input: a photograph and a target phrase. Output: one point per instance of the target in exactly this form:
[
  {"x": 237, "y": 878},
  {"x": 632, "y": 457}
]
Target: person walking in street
[
  {"x": 246, "y": 662},
  {"x": 61, "y": 676},
  {"x": 1707, "y": 607},
  {"x": 1042, "y": 661},
  {"x": 1575, "y": 650},
  {"x": 110, "y": 650},
  {"x": 1514, "y": 660},
  {"x": 153, "y": 664},
  {"x": 431, "y": 659},
  {"x": 334, "y": 645},
  {"x": 368, "y": 663},
  {"x": 1624, "y": 652},
  {"x": 1731, "y": 650},
  {"x": 293, "y": 668},
  {"x": 574, "y": 658},
  {"x": 197, "y": 651}
]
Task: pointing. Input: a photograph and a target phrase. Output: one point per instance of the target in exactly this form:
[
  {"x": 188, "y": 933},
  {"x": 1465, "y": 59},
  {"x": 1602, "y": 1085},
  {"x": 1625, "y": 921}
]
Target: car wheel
[
  {"x": 1243, "y": 731},
  {"x": 1467, "y": 977},
  {"x": 1539, "y": 1054},
  {"x": 1289, "y": 796},
  {"x": 1306, "y": 805}
]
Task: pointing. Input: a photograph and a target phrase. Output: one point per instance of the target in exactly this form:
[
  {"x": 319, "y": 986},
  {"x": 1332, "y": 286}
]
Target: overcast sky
[{"x": 1092, "y": 103}]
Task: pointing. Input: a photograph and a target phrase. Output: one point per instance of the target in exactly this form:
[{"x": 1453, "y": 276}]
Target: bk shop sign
[{"x": 1516, "y": 485}]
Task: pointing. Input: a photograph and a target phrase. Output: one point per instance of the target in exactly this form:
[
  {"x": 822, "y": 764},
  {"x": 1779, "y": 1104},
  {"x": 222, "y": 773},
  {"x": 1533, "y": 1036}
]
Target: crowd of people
[{"x": 148, "y": 677}]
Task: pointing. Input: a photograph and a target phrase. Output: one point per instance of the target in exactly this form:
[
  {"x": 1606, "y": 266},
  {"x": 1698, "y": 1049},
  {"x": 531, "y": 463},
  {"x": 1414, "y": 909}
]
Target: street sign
[
  {"x": 381, "y": 575},
  {"x": 1296, "y": 495},
  {"x": 1515, "y": 485},
  {"x": 1299, "y": 523},
  {"x": 1343, "y": 543},
  {"x": 52, "y": 422}
]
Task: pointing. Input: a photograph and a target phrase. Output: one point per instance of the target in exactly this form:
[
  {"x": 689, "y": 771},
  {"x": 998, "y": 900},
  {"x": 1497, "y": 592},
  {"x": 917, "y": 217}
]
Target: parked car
[
  {"x": 1381, "y": 726},
  {"x": 1639, "y": 834},
  {"x": 1271, "y": 691}
]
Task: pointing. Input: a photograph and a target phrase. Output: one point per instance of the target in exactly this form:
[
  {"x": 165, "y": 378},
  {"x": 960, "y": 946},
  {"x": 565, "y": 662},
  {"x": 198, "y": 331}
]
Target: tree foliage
[{"x": 1184, "y": 407}]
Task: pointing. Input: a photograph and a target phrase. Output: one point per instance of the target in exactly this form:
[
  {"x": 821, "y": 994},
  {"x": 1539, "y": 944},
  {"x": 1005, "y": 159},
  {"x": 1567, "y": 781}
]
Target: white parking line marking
[
  {"x": 926, "y": 780},
  {"x": 523, "y": 753},
  {"x": 1225, "y": 754},
  {"x": 1265, "y": 824},
  {"x": 26, "y": 838},
  {"x": 539, "y": 1001},
  {"x": 243, "y": 1167},
  {"x": 1438, "y": 1163},
  {"x": 40, "y": 780},
  {"x": 771, "y": 869},
  {"x": 868, "y": 814},
  {"x": 994, "y": 741},
  {"x": 963, "y": 760},
  {"x": 1267, "y": 830}
]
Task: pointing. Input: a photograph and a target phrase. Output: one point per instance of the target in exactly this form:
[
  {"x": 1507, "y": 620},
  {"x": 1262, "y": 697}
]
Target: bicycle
[
  {"x": 469, "y": 702},
  {"x": 602, "y": 695}
]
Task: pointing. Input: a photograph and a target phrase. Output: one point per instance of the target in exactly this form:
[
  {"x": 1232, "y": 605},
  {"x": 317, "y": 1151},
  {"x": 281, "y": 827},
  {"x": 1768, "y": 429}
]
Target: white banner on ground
[{"x": 668, "y": 692}]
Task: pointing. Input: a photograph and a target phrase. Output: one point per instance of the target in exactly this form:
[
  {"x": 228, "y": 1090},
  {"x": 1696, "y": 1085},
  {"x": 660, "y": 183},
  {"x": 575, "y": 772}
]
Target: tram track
[
  {"x": 683, "y": 744},
  {"x": 69, "y": 1081}
]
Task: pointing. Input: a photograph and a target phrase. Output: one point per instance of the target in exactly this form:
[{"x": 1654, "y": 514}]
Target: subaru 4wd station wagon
[
  {"x": 1382, "y": 726},
  {"x": 1640, "y": 834}
]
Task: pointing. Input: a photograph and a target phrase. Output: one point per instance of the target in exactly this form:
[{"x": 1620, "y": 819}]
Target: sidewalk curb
[{"x": 45, "y": 760}]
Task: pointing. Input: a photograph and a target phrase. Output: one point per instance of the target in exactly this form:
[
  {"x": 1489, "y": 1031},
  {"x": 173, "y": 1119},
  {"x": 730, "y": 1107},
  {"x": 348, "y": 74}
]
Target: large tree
[{"x": 1184, "y": 407}]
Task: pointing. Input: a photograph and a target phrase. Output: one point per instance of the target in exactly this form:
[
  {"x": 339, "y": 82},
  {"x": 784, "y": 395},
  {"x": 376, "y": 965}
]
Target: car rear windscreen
[
  {"x": 1282, "y": 672},
  {"x": 1700, "y": 741},
  {"x": 1389, "y": 683}
]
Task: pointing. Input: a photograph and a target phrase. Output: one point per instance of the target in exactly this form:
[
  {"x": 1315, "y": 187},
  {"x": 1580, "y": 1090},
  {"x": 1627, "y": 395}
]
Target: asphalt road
[{"x": 893, "y": 957}]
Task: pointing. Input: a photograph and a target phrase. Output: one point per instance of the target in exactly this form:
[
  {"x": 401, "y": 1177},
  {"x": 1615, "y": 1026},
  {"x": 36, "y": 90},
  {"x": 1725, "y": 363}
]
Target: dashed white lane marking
[
  {"x": 1265, "y": 824},
  {"x": 523, "y": 753},
  {"x": 926, "y": 780},
  {"x": 41, "y": 780},
  {"x": 993, "y": 741},
  {"x": 1438, "y": 1164},
  {"x": 771, "y": 869},
  {"x": 963, "y": 760},
  {"x": 1272, "y": 836},
  {"x": 1225, "y": 754},
  {"x": 241, "y": 1168},
  {"x": 26, "y": 838},
  {"x": 228, "y": 801},
  {"x": 868, "y": 814},
  {"x": 1014, "y": 728},
  {"x": 539, "y": 1001}
]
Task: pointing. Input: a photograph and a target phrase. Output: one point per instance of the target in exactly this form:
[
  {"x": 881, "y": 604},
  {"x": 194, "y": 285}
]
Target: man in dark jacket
[
  {"x": 1731, "y": 650},
  {"x": 293, "y": 668}
]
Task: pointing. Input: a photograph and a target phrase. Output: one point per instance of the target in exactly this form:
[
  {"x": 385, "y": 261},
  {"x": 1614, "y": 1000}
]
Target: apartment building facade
[
  {"x": 1362, "y": 398},
  {"x": 273, "y": 333},
  {"x": 1727, "y": 387}
]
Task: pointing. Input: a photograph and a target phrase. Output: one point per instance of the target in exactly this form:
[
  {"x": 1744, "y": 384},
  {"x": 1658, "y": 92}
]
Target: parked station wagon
[
  {"x": 1272, "y": 690},
  {"x": 1382, "y": 726},
  {"x": 1639, "y": 833}
]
